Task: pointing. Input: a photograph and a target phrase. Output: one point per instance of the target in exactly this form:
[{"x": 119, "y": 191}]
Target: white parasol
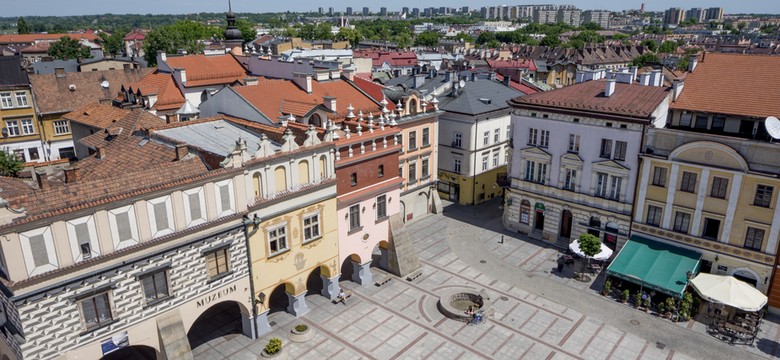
[
  {"x": 604, "y": 254},
  {"x": 730, "y": 291}
]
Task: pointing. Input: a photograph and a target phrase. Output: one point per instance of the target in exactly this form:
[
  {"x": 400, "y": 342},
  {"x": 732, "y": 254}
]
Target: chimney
[
  {"x": 634, "y": 71},
  {"x": 677, "y": 88},
  {"x": 349, "y": 73},
  {"x": 492, "y": 76},
  {"x": 171, "y": 118},
  {"x": 610, "y": 89},
  {"x": 101, "y": 153},
  {"x": 330, "y": 103},
  {"x": 624, "y": 77},
  {"x": 59, "y": 72},
  {"x": 644, "y": 79},
  {"x": 43, "y": 182},
  {"x": 694, "y": 61},
  {"x": 180, "y": 74},
  {"x": 658, "y": 79},
  {"x": 473, "y": 76},
  {"x": 105, "y": 101},
  {"x": 182, "y": 150},
  {"x": 161, "y": 57},
  {"x": 303, "y": 80},
  {"x": 72, "y": 174},
  {"x": 507, "y": 81},
  {"x": 419, "y": 79}
]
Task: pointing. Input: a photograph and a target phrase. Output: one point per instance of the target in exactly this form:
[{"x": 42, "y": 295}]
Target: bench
[
  {"x": 414, "y": 275},
  {"x": 383, "y": 280}
]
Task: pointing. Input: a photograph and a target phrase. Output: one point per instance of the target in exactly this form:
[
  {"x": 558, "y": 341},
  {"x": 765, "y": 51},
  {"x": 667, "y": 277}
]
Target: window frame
[
  {"x": 574, "y": 143},
  {"x": 544, "y": 138},
  {"x": 426, "y": 137},
  {"x": 753, "y": 238},
  {"x": 24, "y": 124},
  {"x": 659, "y": 176},
  {"x": 353, "y": 179},
  {"x": 21, "y": 101},
  {"x": 570, "y": 179},
  {"x": 157, "y": 299},
  {"x": 412, "y": 140},
  {"x": 683, "y": 217},
  {"x": 457, "y": 139},
  {"x": 13, "y": 128},
  {"x": 486, "y": 138},
  {"x": 457, "y": 166},
  {"x": 99, "y": 323},
  {"x": 313, "y": 226},
  {"x": 688, "y": 182},
  {"x": 58, "y": 127},
  {"x": 224, "y": 251},
  {"x": 354, "y": 221},
  {"x": 425, "y": 170},
  {"x": 621, "y": 147},
  {"x": 6, "y": 100},
  {"x": 412, "y": 173},
  {"x": 719, "y": 188},
  {"x": 605, "y": 151},
  {"x": 381, "y": 207},
  {"x": 496, "y": 135},
  {"x": 761, "y": 198},
  {"x": 657, "y": 214},
  {"x": 274, "y": 235}
]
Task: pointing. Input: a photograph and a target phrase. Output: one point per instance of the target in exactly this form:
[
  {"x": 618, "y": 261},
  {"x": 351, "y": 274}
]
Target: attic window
[
  {"x": 546, "y": 116},
  {"x": 609, "y": 124},
  {"x": 576, "y": 120},
  {"x": 486, "y": 101}
]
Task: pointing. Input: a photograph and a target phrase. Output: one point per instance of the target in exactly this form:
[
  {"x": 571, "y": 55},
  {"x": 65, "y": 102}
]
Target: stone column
[
  {"x": 361, "y": 273},
  {"x": 297, "y": 304},
  {"x": 330, "y": 287},
  {"x": 246, "y": 327},
  {"x": 263, "y": 327}
]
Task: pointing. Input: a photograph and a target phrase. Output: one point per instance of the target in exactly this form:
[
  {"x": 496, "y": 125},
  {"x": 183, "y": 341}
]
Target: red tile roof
[
  {"x": 271, "y": 96},
  {"x": 205, "y": 70},
  {"x": 744, "y": 85},
  {"x": 512, "y": 64},
  {"x": 41, "y": 47},
  {"x": 168, "y": 94},
  {"x": 31, "y": 38},
  {"x": 525, "y": 89},
  {"x": 114, "y": 122},
  {"x": 126, "y": 155},
  {"x": 136, "y": 35},
  {"x": 378, "y": 58},
  {"x": 629, "y": 100},
  {"x": 373, "y": 90}
]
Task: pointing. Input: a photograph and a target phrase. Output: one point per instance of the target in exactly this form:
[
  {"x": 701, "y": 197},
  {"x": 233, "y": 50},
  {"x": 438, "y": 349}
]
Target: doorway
[
  {"x": 566, "y": 218},
  {"x": 539, "y": 222}
]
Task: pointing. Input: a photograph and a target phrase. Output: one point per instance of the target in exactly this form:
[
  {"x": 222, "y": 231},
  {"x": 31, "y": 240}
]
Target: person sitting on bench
[{"x": 341, "y": 297}]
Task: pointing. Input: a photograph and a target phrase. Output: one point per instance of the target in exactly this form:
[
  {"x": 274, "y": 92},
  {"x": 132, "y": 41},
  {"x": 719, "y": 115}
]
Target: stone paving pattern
[{"x": 460, "y": 248}]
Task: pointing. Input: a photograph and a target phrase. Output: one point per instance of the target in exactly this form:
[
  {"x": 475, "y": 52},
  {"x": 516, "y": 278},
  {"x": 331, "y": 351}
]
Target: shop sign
[
  {"x": 214, "y": 297},
  {"x": 114, "y": 343},
  {"x": 539, "y": 207}
]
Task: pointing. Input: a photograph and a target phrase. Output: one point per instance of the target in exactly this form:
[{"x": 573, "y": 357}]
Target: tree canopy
[
  {"x": 668, "y": 47},
  {"x": 21, "y": 26},
  {"x": 183, "y": 35},
  {"x": 10, "y": 165},
  {"x": 427, "y": 38},
  {"x": 351, "y": 35},
  {"x": 589, "y": 244},
  {"x": 644, "y": 59},
  {"x": 113, "y": 44},
  {"x": 67, "y": 48}
]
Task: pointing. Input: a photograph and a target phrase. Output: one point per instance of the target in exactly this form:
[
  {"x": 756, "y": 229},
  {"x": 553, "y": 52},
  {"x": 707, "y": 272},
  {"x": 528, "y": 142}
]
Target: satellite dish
[
  {"x": 772, "y": 125},
  {"x": 462, "y": 84},
  {"x": 104, "y": 84}
]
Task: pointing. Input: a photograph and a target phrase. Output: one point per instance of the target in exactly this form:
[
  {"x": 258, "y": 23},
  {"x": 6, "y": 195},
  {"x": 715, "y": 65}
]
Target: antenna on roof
[{"x": 772, "y": 125}]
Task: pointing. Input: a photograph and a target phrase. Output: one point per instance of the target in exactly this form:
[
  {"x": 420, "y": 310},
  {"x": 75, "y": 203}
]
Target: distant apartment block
[
  {"x": 600, "y": 17},
  {"x": 674, "y": 16}
]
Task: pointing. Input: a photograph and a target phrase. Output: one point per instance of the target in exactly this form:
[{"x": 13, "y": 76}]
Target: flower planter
[
  {"x": 280, "y": 355},
  {"x": 301, "y": 336}
]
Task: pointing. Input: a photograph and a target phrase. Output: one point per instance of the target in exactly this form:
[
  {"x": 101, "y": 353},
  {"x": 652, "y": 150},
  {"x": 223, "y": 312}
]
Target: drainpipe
[
  {"x": 255, "y": 221},
  {"x": 473, "y": 171}
]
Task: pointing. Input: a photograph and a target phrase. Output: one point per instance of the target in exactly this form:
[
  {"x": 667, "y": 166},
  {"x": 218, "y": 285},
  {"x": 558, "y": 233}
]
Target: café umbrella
[
  {"x": 730, "y": 291},
  {"x": 604, "y": 254}
]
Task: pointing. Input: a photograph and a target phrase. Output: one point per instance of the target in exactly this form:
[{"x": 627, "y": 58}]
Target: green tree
[
  {"x": 113, "y": 44},
  {"x": 550, "y": 40},
  {"x": 591, "y": 26},
  {"x": 351, "y": 35},
  {"x": 486, "y": 37},
  {"x": 184, "y": 35},
  {"x": 323, "y": 32},
  {"x": 668, "y": 47},
  {"x": 650, "y": 45},
  {"x": 427, "y": 38},
  {"x": 465, "y": 37},
  {"x": 21, "y": 26},
  {"x": 67, "y": 48},
  {"x": 10, "y": 165},
  {"x": 589, "y": 244},
  {"x": 403, "y": 40},
  {"x": 248, "y": 32},
  {"x": 644, "y": 59}
]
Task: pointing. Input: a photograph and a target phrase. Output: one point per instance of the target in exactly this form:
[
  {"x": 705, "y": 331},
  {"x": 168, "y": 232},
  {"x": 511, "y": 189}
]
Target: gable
[{"x": 710, "y": 154}]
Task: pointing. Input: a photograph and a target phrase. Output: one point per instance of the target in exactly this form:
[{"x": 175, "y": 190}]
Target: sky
[{"x": 89, "y": 7}]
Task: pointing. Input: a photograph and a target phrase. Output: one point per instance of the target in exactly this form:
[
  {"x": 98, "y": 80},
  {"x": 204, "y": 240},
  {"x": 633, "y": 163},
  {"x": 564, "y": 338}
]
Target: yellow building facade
[
  {"x": 21, "y": 132},
  {"x": 708, "y": 193}
]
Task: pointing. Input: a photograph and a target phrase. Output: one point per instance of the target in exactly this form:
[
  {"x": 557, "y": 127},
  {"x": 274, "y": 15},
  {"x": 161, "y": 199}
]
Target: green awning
[{"x": 655, "y": 265}]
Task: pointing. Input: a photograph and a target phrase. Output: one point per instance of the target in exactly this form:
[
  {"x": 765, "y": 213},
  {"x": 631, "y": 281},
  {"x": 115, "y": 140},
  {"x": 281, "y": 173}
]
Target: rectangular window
[
  {"x": 654, "y": 215},
  {"x": 508, "y": 132},
  {"x": 27, "y": 127},
  {"x": 659, "y": 176},
  {"x": 412, "y": 140},
  {"x": 5, "y": 100},
  {"x": 614, "y": 188},
  {"x": 353, "y": 179},
  {"x": 495, "y": 159},
  {"x": 412, "y": 173},
  {"x": 425, "y": 170},
  {"x": 33, "y": 152},
  {"x": 620, "y": 150},
  {"x": 688, "y": 182},
  {"x": 701, "y": 122},
  {"x": 381, "y": 207},
  {"x": 571, "y": 179},
  {"x": 13, "y": 127},
  {"x": 718, "y": 123},
  {"x": 763, "y": 196},
  {"x": 458, "y": 142},
  {"x": 311, "y": 227},
  {"x": 606, "y": 149},
  {"x": 711, "y": 229},
  {"x": 96, "y": 311},
  {"x": 217, "y": 262},
  {"x": 536, "y": 172},
  {"x": 486, "y": 138},
  {"x": 61, "y": 127},
  {"x": 681, "y": 222},
  {"x": 602, "y": 182},
  {"x": 719, "y": 187},
  {"x": 426, "y": 137},
  {"x": 456, "y": 166},
  {"x": 544, "y": 139},
  {"x": 400, "y": 138},
  {"x": 381, "y": 171},
  {"x": 21, "y": 99},
  {"x": 753, "y": 238},
  {"x": 277, "y": 240},
  {"x": 685, "y": 120},
  {"x": 496, "y": 135},
  {"x": 533, "y": 135},
  {"x": 484, "y": 163},
  {"x": 354, "y": 217},
  {"x": 574, "y": 143},
  {"x": 155, "y": 287}
]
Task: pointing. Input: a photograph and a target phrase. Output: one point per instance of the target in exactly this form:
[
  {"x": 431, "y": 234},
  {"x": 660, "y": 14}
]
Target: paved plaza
[{"x": 539, "y": 314}]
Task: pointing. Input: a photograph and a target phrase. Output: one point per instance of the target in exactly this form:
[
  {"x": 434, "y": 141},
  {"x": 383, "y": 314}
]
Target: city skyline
[{"x": 93, "y": 7}]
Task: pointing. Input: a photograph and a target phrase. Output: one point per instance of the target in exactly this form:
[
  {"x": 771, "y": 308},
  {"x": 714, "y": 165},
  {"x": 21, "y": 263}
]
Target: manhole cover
[
  {"x": 634, "y": 322},
  {"x": 504, "y": 298},
  {"x": 660, "y": 345},
  {"x": 483, "y": 261}
]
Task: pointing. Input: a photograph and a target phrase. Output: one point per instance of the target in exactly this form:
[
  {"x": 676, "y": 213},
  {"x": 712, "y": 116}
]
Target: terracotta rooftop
[
  {"x": 32, "y": 38},
  {"x": 373, "y": 90},
  {"x": 271, "y": 96},
  {"x": 629, "y": 100},
  {"x": 41, "y": 47},
  {"x": 115, "y": 124},
  {"x": 744, "y": 85},
  {"x": 53, "y": 92},
  {"x": 393, "y": 58},
  {"x": 205, "y": 70},
  {"x": 97, "y": 115},
  {"x": 161, "y": 84},
  {"x": 126, "y": 155}
]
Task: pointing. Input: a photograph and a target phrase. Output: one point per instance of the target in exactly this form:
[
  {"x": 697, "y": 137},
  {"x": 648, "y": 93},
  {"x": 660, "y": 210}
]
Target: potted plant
[
  {"x": 301, "y": 333},
  {"x": 685, "y": 307},
  {"x": 661, "y": 309},
  {"x": 607, "y": 288},
  {"x": 670, "y": 307},
  {"x": 638, "y": 300},
  {"x": 273, "y": 349},
  {"x": 624, "y": 296},
  {"x": 646, "y": 302}
]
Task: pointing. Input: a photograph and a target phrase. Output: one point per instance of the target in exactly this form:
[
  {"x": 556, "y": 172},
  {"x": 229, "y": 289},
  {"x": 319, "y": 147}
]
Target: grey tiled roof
[
  {"x": 217, "y": 137},
  {"x": 478, "y": 97}
]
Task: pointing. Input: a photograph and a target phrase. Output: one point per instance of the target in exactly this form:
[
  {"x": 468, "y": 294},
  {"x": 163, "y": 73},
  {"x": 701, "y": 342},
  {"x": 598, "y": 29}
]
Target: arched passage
[
  {"x": 134, "y": 352},
  {"x": 323, "y": 281},
  {"x": 257, "y": 184},
  {"x": 221, "y": 319},
  {"x": 278, "y": 301},
  {"x": 379, "y": 256}
]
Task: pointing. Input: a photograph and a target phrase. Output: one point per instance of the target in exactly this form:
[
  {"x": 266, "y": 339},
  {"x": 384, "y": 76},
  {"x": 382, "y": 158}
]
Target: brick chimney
[
  {"x": 182, "y": 150},
  {"x": 72, "y": 174},
  {"x": 40, "y": 176},
  {"x": 171, "y": 118},
  {"x": 101, "y": 153}
]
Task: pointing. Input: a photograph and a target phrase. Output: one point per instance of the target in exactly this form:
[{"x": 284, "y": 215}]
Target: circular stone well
[{"x": 454, "y": 303}]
